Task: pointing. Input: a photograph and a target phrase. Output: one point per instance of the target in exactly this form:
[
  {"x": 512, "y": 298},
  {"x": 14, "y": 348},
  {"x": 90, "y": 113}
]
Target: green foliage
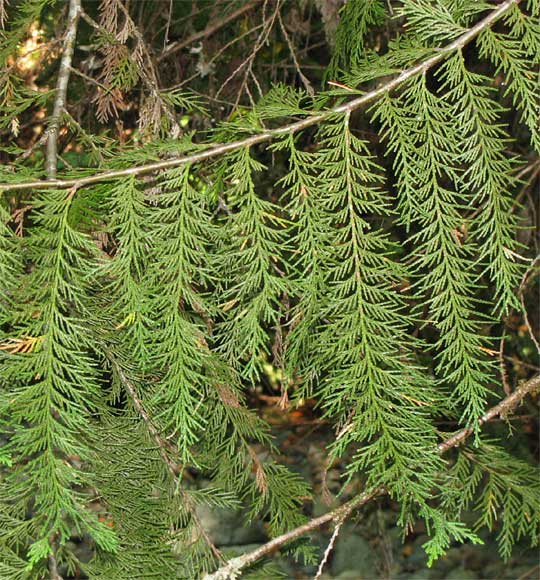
[
  {"x": 251, "y": 296},
  {"x": 357, "y": 19},
  {"x": 515, "y": 54},
  {"x": 370, "y": 376},
  {"x": 489, "y": 173},
  {"x": 500, "y": 488},
  {"x": 433, "y": 197},
  {"x": 54, "y": 383},
  {"x": 138, "y": 492},
  {"x": 365, "y": 259},
  {"x": 433, "y": 22}
]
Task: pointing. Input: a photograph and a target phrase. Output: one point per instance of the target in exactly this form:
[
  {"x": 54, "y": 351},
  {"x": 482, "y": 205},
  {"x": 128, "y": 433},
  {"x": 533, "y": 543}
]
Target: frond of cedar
[{"x": 142, "y": 296}]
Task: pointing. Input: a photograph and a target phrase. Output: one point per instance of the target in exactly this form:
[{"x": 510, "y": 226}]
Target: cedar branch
[
  {"x": 264, "y": 136},
  {"x": 233, "y": 567},
  {"x": 502, "y": 409},
  {"x": 51, "y": 160}
]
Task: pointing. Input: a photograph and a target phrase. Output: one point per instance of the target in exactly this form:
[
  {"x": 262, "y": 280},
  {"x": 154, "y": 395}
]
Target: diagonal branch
[
  {"x": 233, "y": 567},
  {"x": 264, "y": 136},
  {"x": 61, "y": 88},
  {"x": 502, "y": 410}
]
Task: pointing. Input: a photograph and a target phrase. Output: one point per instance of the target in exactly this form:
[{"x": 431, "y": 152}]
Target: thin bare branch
[
  {"x": 247, "y": 64},
  {"x": 303, "y": 78},
  {"x": 51, "y": 157},
  {"x": 223, "y": 49},
  {"x": 267, "y": 135},
  {"x": 504, "y": 375},
  {"x": 90, "y": 79},
  {"x": 3, "y": 13},
  {"x": 54, "y": 574},
  {"x": 330, "y": 547},
  {"x": 53, "y": 568},
  {"x": 502, "y": 409}
]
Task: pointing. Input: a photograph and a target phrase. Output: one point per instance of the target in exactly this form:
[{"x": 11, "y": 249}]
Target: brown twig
[
  {"x": 54, "y": 574},
  {"x": 90, "y": 79},
  {"x": 148, "y": 73},
  {"x": 247, "y": 63},
  {"x": 233, "y": 567},
  {"x": 53, "y": 568},
  {"x": 267, "y": 135},
  {"x": 504, "y": 375},
  {"x": 51, "y": 156},
  {"x": 529, "y": 572},
  {"x": 139, "y": 407},
  {"x": 208, "y": 31},
  {"x": 224, "y": 48}
]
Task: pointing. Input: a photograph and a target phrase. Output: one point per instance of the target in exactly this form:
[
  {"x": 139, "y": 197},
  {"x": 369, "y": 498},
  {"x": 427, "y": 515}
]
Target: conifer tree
[{"x": 161, "y": 258}]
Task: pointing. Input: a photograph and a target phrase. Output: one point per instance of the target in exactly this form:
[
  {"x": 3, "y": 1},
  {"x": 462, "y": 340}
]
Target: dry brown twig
[
  {"x": 305, "y": 81},
  {"x": 267, "y": 135},
  {"x": 247, "y": 63},
  {"x": 53, "y": 564},
  {"x": 211, "y": 62},
  {"x": 504, "y": 375},
  {"x": 143, "y": 58},
  {"x": 149, "y": 74}
]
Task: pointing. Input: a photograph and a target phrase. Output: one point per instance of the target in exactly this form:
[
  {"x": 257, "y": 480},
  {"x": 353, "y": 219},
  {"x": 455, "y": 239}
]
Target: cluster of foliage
[{"x": 186, "y": 247}]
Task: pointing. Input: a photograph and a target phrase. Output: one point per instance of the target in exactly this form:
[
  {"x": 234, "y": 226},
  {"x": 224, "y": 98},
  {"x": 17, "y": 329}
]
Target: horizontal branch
[
  {"x": 233, "y": 567},
  {"x": 264, "y": 136}
]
